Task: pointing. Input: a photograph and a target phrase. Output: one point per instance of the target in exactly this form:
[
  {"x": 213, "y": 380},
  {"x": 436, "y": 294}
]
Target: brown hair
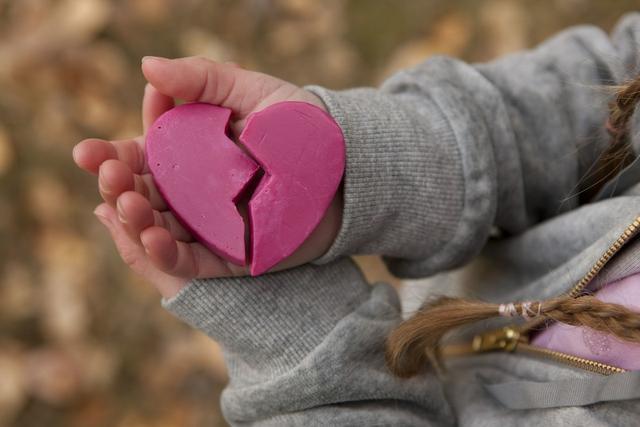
[
  {"x": 416, "y": 340},
  {"x": 619, "y": 153}
]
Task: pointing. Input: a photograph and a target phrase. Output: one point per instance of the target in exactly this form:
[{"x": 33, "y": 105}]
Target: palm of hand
[{"x": 147, "y": 235}]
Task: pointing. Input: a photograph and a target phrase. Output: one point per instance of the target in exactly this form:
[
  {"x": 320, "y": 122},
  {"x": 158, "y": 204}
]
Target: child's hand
[{"x": 148, "y": 236}]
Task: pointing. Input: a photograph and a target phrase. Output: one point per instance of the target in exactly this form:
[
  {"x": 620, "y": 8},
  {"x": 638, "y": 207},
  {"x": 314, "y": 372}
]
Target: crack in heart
[
  {"x": 246, "y": 194},
  {"x": 242, "y": 206}
]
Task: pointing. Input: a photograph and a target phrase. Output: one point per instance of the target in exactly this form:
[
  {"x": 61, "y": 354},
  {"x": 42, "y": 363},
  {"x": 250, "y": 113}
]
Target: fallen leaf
[
  {"x": 6, "y": 151},
  {"x": 13, "y": 386}
]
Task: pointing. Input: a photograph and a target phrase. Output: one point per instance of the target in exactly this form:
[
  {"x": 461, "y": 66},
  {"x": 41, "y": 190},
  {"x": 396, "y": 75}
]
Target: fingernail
[
  {"x": 74, "y": 153},
  {"x": 153, "y": 58},
  {"x": 102, "y": 218},
  {"x": 120, "y": 212},
  {"x": 104, "y": 187},
  {"x": 144, "y": 245}
]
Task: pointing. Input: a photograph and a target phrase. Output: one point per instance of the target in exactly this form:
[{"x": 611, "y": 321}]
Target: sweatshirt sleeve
[
  {"x": 443, "y": 153},
  {"x": 306, "y": 347}
]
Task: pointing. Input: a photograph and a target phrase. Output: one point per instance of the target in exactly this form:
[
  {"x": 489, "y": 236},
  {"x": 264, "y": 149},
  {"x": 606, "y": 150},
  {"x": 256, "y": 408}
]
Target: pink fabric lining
[{"x": 598, "y": 346}]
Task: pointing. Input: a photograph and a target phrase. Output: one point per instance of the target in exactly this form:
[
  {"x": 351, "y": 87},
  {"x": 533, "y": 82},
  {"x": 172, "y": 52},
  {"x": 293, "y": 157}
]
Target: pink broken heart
[{"x": 203, "y": 175}]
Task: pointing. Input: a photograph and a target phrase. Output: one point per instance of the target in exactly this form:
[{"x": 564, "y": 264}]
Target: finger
[
  {"x": 186, "y": 260},
  {"x": 91, "y": 153},
  {"x": 168, "y": 220},
  {"x": 136, "y": 213},
  {"x": 114, "y": 178},
  {"x": 154, "y": 104},
  {"x": 135, "y": 257},
  {"x": 199, "y": 79},
  {"x": 145, "y": 185}
]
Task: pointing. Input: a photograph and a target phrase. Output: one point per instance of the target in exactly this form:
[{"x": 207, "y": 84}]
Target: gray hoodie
[{"x": 468, "y": 174}]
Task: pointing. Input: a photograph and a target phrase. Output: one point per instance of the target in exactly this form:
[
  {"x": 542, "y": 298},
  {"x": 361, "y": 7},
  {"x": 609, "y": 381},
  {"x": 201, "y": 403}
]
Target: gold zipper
[
  {"x": 509, "y": 339},
  {"x": 515, "y": 338},
  {"x": 578, "y": 362},
  {"x": 629, "y": 232}
]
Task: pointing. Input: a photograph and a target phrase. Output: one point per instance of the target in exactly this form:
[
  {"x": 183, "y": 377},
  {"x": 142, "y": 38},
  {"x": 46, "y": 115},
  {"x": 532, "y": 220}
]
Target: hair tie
[{"x": 510, "y": 310}]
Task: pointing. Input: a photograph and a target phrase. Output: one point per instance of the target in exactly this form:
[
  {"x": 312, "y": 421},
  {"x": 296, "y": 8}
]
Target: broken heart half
[{"x": 288, "y": 164}]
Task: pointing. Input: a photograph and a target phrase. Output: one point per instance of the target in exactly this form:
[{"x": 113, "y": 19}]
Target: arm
[
  {"x": 305, "y": 347},
  {"x": 446, "y": 150}
]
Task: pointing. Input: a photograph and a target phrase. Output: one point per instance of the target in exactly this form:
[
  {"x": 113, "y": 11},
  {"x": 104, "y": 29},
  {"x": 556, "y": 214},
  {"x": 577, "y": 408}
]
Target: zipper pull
[{"x": 505, "y": 339}]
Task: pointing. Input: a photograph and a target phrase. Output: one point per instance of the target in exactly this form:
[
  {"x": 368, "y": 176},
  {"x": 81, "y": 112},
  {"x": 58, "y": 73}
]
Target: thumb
[{"x": 200, "y": 79}]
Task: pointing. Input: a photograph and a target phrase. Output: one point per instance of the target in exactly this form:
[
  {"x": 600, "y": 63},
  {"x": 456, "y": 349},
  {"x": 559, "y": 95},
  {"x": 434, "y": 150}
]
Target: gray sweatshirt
[{"x": 466, "y": 173}]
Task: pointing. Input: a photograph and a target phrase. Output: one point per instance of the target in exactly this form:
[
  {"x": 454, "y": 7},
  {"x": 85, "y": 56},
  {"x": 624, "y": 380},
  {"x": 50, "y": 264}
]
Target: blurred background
[{"x": 83, "y": 342}]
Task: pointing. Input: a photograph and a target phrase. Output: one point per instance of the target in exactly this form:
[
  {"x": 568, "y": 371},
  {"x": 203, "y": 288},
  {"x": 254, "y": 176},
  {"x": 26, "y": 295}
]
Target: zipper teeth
[
  {"x": 589, "y": 365},
  {"x": 628, "y": 233}
]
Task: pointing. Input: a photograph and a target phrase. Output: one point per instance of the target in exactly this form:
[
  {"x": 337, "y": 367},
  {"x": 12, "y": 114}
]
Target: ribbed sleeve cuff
[
  {"x": 404, "y": 184},
  {"x": 272, "y": 321}
]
